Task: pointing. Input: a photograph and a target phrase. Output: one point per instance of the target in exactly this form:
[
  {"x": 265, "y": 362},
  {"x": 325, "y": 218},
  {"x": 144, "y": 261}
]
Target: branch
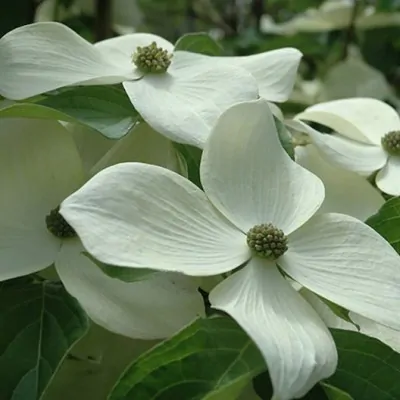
[
  {"x": 103, "y": 19},
  {"x": 349, "y": 33}
]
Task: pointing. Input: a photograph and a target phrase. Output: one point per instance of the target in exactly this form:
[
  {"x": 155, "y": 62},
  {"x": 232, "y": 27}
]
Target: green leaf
[
  {"x": 339, "y": 311},
  {"x": 105, "y": 109},
  {"x": 122, "y": 273},
  {"x": 334, "y": 393},
  {"x": 367, "y": 369},
  {"x": 387, "y": 222},
  {"x": 199, "y": 43},
  {"x": 39, "y": 323},
  {"x": 263, "y": 387},
  {"x": 212, "y": 359},
  {"x": 192, "y": 156},
  {"x": 94, "y": 364},
  {"x": 387, "y": 5},
  {"x": 285, "y": 138}
]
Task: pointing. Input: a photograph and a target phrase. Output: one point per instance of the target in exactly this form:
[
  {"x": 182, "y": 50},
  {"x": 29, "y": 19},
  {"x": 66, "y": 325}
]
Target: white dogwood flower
[
  {"x": 39, "y": 167},
  {"x": 256, "y": 214},
  {"x": 366, "y": 138},
  {"x": 180, "y": 94}
]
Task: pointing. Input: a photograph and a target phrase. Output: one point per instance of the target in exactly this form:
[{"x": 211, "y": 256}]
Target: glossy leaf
[
  {"x": 199, "y": 43},
  {"x": 105, "y": 109},
  {"x": 339, "y": 311},
  {"x": 334, "y": 393},
  {"x": 122, "y": 273},
  {"x": 285, "y": 138},
  {"x": 367, "y": 369},
  {"x": 263, "y": 388},
  {"x": 39, "y": 323},
  {"x": 192, "y": 157},
  {"x": 212, "y": 359},
  {"x": 387, "y": 222}
]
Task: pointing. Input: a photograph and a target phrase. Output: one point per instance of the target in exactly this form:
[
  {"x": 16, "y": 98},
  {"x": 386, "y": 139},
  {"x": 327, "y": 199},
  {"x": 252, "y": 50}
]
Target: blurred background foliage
[{"x": 350, "y": 47}]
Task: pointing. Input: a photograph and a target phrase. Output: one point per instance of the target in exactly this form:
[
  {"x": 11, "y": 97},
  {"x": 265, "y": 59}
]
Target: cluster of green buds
[
  {"x": 267, "y": 241},
  {"x": 152, "y": 59},
  {"x": 391, "y": 142}
]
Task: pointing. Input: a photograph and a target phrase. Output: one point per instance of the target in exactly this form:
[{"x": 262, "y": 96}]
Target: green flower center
[
  {"x": 267, "y": 241},
  {"x": 391, "y": 143},
  {"x": 58, "y": 226},
  {"x": 152, "y": 59}
]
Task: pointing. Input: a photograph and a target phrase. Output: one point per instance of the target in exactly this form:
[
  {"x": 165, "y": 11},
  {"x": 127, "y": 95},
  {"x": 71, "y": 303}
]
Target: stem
[
  {"x": 190, "y": 16},
  {"x": 33, "y": 5},
  {"x": 103, "y": 20},
  {"x": 349, "y": 33},
  {"x": 257, "y": 9}
]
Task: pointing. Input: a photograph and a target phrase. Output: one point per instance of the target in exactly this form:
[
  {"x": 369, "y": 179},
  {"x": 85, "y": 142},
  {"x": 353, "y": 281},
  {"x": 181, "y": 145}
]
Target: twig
[
  {"x": 349, "y": 33},
  {"x": 257, "y": 9},
  {"x": 33, "y": 5},
  {"x": 103, "y": 19}
]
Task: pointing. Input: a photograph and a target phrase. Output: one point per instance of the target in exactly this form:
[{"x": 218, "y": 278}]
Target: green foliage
[
  {"x": 94, "y": 364},
  {"x": 387, "y": 5},
  {"x": 367, "y": 369},
  {"x": 192, "y": 157},
  {"x": 39, "y": 323},
  {"x": 199, "y": 43},
  {"x": 387, "y": 222},
  {"x": 122, "y": 273},
  {"x": 212, "y": 359},
  {"x": 339, "y": 311},
  {"x": 105, "y": 109},
  {"x": 285, "y": 138},
  {"x": 263, "y": 387},
  {"x": 333, "y": 393}
]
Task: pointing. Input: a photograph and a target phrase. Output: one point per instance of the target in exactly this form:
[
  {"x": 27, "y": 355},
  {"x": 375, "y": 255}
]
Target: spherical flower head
[
  {"x": 391, "y": 143},
  {"x": 58, "y": 226},
  {"x": 152, "y": 59},
  {"x": 267, "y": 241}
]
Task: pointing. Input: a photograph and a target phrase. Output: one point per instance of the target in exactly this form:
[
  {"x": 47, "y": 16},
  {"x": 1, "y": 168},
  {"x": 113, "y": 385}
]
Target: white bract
[
  {"x": 366, "y": 138},
  {"x": 39, "y": 167},
  {"x": 345, "y": 192},
  {"x": 248, "y": 180},
  {"x": 182, "y": 101},
  {"x": 366, "y": 326}
]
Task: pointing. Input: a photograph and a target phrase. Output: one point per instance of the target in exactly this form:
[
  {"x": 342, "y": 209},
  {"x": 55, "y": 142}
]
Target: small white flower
[
  {"x": 366, "y": 138},
  {"x": 248, "y": 181},
  {"x": 182, "y": 102},
  {"x": 39, "y": 167}
]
